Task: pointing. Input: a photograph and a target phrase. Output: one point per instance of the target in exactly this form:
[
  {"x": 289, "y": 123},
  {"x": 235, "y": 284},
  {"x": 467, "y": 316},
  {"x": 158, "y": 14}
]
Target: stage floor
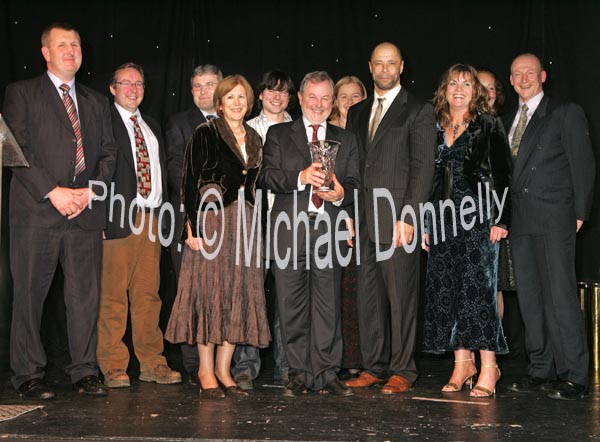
[{"x": 149, "y": 412}]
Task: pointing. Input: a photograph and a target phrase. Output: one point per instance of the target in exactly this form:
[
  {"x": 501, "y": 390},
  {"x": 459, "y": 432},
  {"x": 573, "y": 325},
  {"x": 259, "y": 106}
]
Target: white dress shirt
[
  {"x": 389, "y": 97},
  {"x": 154, "y": 199},
  {"x": 57, "y": 82},
  {"x": 261, "y": 124},
  {"x": 532, "y": 105}
]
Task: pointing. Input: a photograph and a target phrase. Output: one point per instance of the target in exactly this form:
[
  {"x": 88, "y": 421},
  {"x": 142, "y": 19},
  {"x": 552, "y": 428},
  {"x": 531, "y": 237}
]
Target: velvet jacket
[
  {"x": 488, "y": 160},
  {"x": 213, "y": 162}
]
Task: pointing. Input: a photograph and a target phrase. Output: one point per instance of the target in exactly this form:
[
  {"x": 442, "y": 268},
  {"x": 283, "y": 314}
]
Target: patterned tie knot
[
  {"x": 133, "y": 118},
  {"x": 64, "y": 88},
  {"x": 210, "y": 117}
]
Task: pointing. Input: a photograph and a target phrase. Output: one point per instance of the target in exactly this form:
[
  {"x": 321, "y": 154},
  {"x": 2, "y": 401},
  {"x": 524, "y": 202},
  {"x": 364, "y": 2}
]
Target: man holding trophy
[{"x": 307, "y": 253}]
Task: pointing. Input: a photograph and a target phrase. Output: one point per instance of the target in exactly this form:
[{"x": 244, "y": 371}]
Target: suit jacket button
[
  {"x": 74, "y": 140},
  {"x": 367, "y": 165},
  {"x": 533, "y": 168},
  {"x": 526, "y": 190},
  {"x": 244, "y": 172}
]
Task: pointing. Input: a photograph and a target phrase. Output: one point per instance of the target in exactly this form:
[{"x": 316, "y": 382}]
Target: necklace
[
  {"x": 240, "y": 133},
  {"x": 455, "y": 127}
]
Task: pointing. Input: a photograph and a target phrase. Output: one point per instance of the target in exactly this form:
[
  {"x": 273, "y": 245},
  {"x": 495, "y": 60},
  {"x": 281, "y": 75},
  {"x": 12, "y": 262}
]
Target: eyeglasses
[
  {"x": 273, "y": 92},
  {"x": 128, "y": 84},
  {"x": 207, "y": 86}
]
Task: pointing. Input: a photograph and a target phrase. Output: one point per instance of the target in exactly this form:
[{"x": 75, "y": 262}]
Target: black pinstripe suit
[
  {"x": 400, "y": 158},
  {"x": 552, "y": 187}
]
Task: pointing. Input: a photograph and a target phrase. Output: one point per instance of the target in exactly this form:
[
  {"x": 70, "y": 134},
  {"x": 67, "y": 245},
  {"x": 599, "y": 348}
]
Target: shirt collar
[
  {"x": 126, "y": 115},
  {"x": 57, "y": 82},
  {"x": 533, "y": 103},
  {"x": 389, "y": 95}
]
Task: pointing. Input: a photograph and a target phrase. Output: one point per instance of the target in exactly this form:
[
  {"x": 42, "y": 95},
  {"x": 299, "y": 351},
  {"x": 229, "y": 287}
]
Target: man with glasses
[
  {"x": 178, "y": 131},
  {"x": 131, "y": 252}
]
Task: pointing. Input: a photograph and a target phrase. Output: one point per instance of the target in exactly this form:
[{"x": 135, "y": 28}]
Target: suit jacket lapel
[
  {"x": 529, "y": 139},
  {"x": 389, "y": 117},
  {"x": 83, "y": 112},
  {"x": 300, "y": 140},
  {"x": 122, "y": 136},
  {"x": 363, "y": 130},
  {"x": 54, "y": 99}
]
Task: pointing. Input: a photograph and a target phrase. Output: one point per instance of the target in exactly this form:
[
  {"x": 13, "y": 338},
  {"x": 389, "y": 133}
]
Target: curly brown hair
[{"x": 478, "y": 101}]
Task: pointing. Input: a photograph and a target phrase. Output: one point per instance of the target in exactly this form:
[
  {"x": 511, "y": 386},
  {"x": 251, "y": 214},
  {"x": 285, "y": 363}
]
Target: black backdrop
[{"x": 169, "y": 38}]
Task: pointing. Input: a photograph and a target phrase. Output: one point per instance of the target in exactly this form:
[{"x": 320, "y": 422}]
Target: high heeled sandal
[
  {"x": 486, "y": 391},
  {"x": 453, "y": 387}
]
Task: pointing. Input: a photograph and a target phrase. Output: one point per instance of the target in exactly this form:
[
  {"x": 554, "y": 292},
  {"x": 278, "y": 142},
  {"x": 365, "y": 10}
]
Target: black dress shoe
[
  {"x": 528, "y": 384},
  {"x": 568, "y": 391},
  {"x": 336, "y": 387},
  {"x": 90, "y": 385},
  {"x": 35, "y": 389},
  {"x": 294, "y": 387},
  {"x": 193, "y": 378}
]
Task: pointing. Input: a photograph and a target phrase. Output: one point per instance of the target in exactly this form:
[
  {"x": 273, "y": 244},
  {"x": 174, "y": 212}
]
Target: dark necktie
[
  {"x": 144, "y": 178},
  {"x": 210, "y": 117},
  {"x": 376, "y": 119},
  {"x": 519, "y": 131},
  {"x": 72, "y": 112},
  {"x": 316, "y": 199}
]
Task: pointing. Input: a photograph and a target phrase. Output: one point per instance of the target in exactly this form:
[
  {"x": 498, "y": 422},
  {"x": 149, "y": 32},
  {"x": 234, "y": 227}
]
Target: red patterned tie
[
  {"x": 316, "y": 199},
  {"x": 144, "y": 179},
  {"x": 72, "y": 112}
]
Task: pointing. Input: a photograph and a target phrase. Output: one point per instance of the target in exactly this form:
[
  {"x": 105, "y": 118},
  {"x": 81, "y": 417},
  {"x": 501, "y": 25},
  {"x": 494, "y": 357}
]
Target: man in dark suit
[
  {"x": 64, "y": 130},
  {"x": 178, "y": 130},
  {"x": 308, "y": 292},
  {"x": 131, "y": 255},
  {"x": 552, "y": 187},
  {"x": 397, "y": 141}
]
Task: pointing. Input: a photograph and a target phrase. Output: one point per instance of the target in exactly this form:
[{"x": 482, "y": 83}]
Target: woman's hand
[
  {"x": 193, "y": 242},
  {"x": 425, "y": 242},
  {"x": 497, "y": 233}
]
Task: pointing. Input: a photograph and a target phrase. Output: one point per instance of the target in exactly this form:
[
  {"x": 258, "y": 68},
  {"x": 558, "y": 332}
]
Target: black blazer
[
  {"x": 488, "y": 160},
  {"x": 37, "y": 117},
  {"x": 285, "y": 154},
  {"x": 125, "y": 177},
  {"x": 553, "y": 177},
  {"x": 400, "y": 159},
  {"x": 178, "y": 131}
]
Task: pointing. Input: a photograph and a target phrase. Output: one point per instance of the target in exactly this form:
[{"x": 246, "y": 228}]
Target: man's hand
[
  {"x": 193, "y": 242},
  {"x": 497, "y": 233},
  {"x": 66, "y": 201},
  {"x": 351, "y": 232},
  {"x": 334, "y": 195},
  {"x": 312, "y": 175},
  {"x": 83, "y": 197},
  {"x": 401, "y": 239}
]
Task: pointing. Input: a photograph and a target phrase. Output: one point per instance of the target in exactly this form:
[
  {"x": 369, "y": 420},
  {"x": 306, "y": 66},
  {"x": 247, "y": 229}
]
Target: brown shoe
[
  {"x": 364, "y": 380},
  {"x": 161, "y": 374},
  {"x": 396, "y": 384},
  {"x": 116, "y": 378}
]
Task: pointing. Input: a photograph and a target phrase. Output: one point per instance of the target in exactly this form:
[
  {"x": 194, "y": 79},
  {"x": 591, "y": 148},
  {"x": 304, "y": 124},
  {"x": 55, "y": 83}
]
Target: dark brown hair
[{"x": 478, "y": 101}]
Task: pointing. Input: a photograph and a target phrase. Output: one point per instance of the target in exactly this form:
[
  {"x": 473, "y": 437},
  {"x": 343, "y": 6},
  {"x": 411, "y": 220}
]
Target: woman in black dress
[
  {"x": 220, "y": 299},
  {"x": 461, "y": 312}
]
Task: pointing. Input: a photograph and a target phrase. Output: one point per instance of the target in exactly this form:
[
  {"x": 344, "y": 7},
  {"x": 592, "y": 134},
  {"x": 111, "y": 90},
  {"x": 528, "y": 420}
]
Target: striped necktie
[{"x": 72, "y": 112}]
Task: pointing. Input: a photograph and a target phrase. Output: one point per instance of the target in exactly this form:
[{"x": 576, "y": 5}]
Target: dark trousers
[
  {"x": 547, "y": 292},
  {"x": 388, "y": 299},
  {"x": 34, "y": 255},
  {"x": 308, "y": 301}
]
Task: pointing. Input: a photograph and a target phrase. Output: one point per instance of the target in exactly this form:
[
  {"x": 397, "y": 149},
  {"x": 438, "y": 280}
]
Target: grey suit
[
  {"x": 400, "y": 158},
  {"x": 552, "y": 187},
  {"x": 308, "y": 300}
]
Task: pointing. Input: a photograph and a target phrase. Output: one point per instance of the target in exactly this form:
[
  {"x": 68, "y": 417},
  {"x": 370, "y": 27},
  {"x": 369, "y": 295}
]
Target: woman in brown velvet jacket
[{"x": 220, "y": 298}]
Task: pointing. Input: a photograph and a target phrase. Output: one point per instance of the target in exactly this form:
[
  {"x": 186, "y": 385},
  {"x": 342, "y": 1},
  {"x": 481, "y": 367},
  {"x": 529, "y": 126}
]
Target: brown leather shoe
[
  {"x": 396, "y": 384},
  {"x": 364, "y": 380}
]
